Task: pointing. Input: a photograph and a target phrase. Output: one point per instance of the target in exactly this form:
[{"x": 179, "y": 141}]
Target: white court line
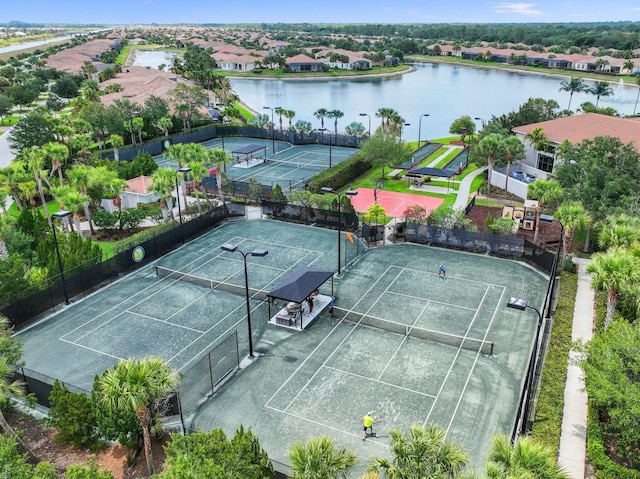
[
  {"x": 395, "y": 353},
  {"x": 430, "y": 300},
  {"x": 313, "y": 352},
  {"x": 92, "y": 350},
  {"x": 358, "y": 435},
  {"x": 339, "y": 345},
  {"x": 395, "y": 386},
  {"x": 157, "y": 320},
  {"x": 455, "y": 411}
]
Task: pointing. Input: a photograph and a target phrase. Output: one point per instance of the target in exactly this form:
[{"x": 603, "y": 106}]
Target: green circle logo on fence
[
  {"x": 138, "y": 254},
  {"x": 167, "y": 144}
]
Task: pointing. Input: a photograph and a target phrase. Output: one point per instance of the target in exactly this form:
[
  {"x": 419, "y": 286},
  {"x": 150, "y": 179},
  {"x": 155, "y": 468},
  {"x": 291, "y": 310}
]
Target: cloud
[
  {"x": 635, "y": 9},
  {"x": 518, "y": 8}
]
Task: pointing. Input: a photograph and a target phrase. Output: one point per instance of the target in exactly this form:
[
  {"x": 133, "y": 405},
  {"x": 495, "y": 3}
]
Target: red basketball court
[{"x": 394, "y": 203}]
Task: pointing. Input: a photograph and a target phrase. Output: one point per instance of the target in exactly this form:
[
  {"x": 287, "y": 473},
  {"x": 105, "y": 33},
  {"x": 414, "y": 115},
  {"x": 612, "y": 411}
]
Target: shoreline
[
  {"x": 550, "y": 72},
  {"x": 410, "y": 69}
]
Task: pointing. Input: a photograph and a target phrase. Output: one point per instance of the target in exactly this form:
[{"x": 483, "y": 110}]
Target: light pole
[
  {"x": 367, "y": 115},
  {"x": 484, "y": 123},
  {"x": 420, "y": 127},
  {"x": 404, "y": 124},
  {"x": 60, "y": 215},
  {"x": 522, "y": 304},
  {"x": 273, "y": 132},
  {"x": 231, "y": 248},
  {"x": 330, "y": 135},
  {"x": 184, "y": 171},
  {"x": 328, "y": 190}
]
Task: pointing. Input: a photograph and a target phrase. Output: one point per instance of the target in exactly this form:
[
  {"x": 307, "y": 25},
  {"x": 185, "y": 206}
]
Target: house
[
  {"x": 303, "y": 63},
  {"x": 575, "y": 129},
  {"x": 138, "y": 190}
]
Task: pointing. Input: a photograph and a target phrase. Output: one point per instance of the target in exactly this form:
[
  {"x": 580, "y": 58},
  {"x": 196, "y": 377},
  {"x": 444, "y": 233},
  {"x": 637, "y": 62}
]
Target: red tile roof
[
  {"x": 140, "y": 185},
  {"x": 587, "y": 126}
]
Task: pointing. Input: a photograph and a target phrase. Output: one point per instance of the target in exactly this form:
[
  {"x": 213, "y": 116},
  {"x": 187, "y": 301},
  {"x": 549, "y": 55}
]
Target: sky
[{"x": 325, "y": 11}]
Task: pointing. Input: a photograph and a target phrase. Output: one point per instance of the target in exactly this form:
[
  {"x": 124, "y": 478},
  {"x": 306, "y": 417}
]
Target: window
[{"x": 545, "y": 163}]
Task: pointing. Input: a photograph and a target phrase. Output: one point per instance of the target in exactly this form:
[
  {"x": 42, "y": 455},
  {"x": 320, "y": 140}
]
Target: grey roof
[
  {"x": 433, "y": 172},
  {"x": 299, "y": 285}
]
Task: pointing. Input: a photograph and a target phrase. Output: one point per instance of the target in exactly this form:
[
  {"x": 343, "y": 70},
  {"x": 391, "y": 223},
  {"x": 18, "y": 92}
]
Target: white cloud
[
  {"x": 636, "y": 9},
  {"x": 518, "y": 8}
]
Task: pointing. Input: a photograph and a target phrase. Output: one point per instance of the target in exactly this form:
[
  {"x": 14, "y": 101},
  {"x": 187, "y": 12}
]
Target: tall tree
[
  {"x": 220, "y": 159},
  {"x": 424, "y": 452},
  {"x": 187, "y": 100},
  {"x": 163, "y": 183},
  {"x": 573, "y": 217},
  {"x": 321, "y": 114},
  {"x": 538, "y": 140},
  {"x": 463, "y": 126},
  {"x": 384, "y": 149},
  {"x": 335, "y": 114},
  {"x": 138, "y": 385},
  {"x": 601, "y": 88},
  {"x": 613, "y": 272},
  {"x": 319, "y": 458},
  {"x": 546, "y": 192},
  {"x": 513, "y": 148},
  {"x": 619, "y": 231},
  {"x": 33, "y": 158},
  {"x": 116, "y": 142},
  {"x": 489, "y": 147},
  {"x": 572, "y": 86}
]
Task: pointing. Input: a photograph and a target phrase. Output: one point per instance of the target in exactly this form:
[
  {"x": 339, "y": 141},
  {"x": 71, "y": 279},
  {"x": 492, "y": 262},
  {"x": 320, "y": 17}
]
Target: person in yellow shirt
[{"x": 368, "y": 422}]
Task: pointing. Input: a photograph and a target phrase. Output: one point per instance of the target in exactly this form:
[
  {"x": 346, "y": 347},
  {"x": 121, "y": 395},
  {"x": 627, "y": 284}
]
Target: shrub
[
  {"x": 90, "y": 472},
  {"x": 341, "y": 174},
  {"x": 549, "y": 408},
  {"x": 73, "y": 416}
]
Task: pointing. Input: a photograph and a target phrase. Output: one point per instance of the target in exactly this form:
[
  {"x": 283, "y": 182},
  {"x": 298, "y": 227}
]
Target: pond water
[
  {"x": 445, "y": 92},
  {"x": 153, "y": 58}
]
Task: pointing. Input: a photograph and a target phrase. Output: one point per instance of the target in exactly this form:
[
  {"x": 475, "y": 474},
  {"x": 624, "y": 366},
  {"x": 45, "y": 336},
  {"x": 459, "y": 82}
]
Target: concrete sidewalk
[{"x": 573, "y": 436}]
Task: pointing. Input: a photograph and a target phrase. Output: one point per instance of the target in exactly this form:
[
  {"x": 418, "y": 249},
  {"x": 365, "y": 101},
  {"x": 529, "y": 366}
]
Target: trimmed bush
[
  {"x": 341, "y": 175},
  {"x": 549, "y": 408}
]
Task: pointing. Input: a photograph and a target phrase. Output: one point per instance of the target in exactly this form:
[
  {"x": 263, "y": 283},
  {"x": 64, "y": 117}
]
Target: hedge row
[
  {"x": 604, "y": 467},
  {"x": 549, "y": 408},
  {"x": 342, "y": 174}
]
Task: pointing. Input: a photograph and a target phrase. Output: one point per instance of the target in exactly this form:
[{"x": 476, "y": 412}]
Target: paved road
[{"x": 6, "y": 155}]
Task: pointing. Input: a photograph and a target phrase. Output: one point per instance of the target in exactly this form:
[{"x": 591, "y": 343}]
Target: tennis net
[
  {"x": 162, "y": 272},
  {"x": 463, "y": 342},
  {"x": 299, "y": 165}
]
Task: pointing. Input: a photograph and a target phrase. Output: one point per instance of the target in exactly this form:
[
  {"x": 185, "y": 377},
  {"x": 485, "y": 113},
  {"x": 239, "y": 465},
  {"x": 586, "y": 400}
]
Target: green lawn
[
  {"x": 278, "y": 73},
  {"x": 52, "y": 206}
]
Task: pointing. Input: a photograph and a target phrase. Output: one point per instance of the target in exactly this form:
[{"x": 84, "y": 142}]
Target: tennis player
[
  {"x": 442, "y": 271},
  {"x": 368, "y": 422}
]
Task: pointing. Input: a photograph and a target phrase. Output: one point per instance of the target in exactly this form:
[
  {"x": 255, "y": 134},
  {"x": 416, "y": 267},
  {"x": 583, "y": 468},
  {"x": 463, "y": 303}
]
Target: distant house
[{"x": 303, "y": 63}]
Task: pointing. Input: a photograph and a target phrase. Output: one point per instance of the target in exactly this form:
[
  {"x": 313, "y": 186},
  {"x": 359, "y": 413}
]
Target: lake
[{"x": 443, "y": 91}]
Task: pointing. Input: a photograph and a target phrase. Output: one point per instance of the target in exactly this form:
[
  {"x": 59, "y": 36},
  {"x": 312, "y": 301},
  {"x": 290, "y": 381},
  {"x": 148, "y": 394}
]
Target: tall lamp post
[
  {"x": 273, "y": 132},
  {"x": 184, "y": 171},
  {"x": 420, "y": 127},
  {"x": 60, "y": 215},
  {"x": 522, "y": 304},
  {"x": 231, "y": 248},
  {"x": 328, "y": 190},
  {"x": 404, "y": 124},
  {"x": 484, "y": 123},
  {"x": 323, "y": 130},
  {"x": 367, "y": 115}
]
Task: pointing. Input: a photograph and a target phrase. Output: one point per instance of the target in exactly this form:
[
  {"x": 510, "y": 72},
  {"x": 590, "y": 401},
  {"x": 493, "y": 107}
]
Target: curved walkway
[{"x": 573, "y": 435}]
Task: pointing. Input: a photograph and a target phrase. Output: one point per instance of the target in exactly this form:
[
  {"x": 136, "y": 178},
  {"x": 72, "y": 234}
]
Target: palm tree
[
  {"x": 162, "y": 184},
  {"x": 573, "y": 217},
  {"x": 58, "y": 153},
  {"x": 289, "y": 114},
  {"x": 220, "y": 158},
  {"x": 614, "y": 271},
  {"x": 164, "y": 124},
  {"x": 137, "y": 385},
  {"x": 335, "y": 114},
  {"x": 321, "y": 114},
  {"x": 319, "y": 458},
  {"x": 80, "y": 178},
  {"x": 116, "y": 142},
  {"x": 545, "y": 192},
  {"x": 601, "y": 88},
  {"x": 619, "y": 231},
  {"x": 524, "y": 459},
  {"x": 423, "y": 453},
  {"x": 628, "y": 65},
  {"x": 355, "y": 128},
  {"x": 572, "y": 86},
  {"x": 538, "y": 140},
  {"x": 490, "y": 147},
  {"x": 280, "y": 113},
  {"x": 514, "y": 149},
  {"x": 33, "y": 158},
  {"x": 74, "y": 201},
  {"x": 385, "y": 115}
]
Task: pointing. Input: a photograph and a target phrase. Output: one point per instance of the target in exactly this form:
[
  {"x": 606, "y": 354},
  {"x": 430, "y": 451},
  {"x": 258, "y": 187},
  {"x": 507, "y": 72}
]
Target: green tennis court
[
  {"x": 402, "y": 340},
  {"x": 290, "y": 166}
]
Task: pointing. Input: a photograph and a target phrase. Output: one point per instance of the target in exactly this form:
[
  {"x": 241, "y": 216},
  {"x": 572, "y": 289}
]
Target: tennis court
[
  {"x": 290, "y": 166},
  {"x": 403, "y": 342},
  {"x": 395, "y": 204}
]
